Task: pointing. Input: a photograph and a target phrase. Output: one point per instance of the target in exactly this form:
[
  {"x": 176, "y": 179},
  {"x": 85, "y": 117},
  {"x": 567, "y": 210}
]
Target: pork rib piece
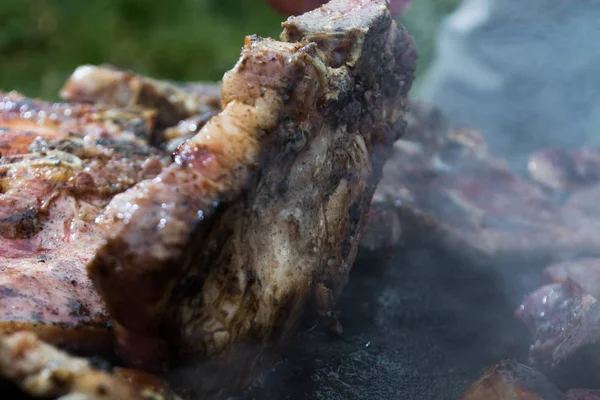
[
  {"x": 261, "y": 213},
  {"x": 60, "y": 165}
]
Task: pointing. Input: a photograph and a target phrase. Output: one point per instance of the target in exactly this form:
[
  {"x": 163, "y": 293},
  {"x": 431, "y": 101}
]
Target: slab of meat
[
  {"x": 214, "y": 261},
  {"x": 41, "y": 371},
  {"x": 60, "y": 165},
  {"x": 444, "y": 189},
  {"x": 510, "y": 380},
  {"x": 564, "y": 322}
]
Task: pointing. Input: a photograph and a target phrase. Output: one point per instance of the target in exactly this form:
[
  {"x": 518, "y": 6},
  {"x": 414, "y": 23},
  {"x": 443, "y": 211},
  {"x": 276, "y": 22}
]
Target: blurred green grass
[{"x": 42, "y": 41}]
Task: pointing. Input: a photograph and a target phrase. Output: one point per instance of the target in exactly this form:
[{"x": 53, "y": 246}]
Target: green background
[{"x": 42, "y": 41}]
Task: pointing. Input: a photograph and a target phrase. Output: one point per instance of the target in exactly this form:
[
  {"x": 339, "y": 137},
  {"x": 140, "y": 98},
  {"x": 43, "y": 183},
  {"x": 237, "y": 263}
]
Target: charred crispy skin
[
  {"x": 218, "y": 257},
  {"x": 60, "y": 165},
  {"x": 42, "y": 371}
]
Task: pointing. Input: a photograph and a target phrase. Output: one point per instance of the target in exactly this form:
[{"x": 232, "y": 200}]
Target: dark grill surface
[{"x": 425, "y": 328}]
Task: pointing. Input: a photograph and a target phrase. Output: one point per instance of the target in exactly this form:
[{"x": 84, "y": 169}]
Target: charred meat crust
[
  {"x": 212, "y": 256},
  {"x": 225, "y": 247}
]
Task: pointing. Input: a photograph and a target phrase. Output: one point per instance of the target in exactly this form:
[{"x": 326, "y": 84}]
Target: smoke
[
  {"x": 523, "y": 73},
  {"x": 425, "y": 328}
]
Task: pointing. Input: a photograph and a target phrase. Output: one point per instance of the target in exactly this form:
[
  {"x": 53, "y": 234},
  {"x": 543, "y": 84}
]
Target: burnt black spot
[
  {"x": 68, "y": 146},
  {"x": 78, "y": 310},
  {"x": 100, "y": 363},
  {"x": 22, "y": 224},
  {"x": 101, "y": 390},
  {"x": 398, "y": 129},
  {"x": 36, "y": 317},
  {"x": 251, "y": 276},
  {"x": 139, "y": 128},
  {"x": 282, "y": 187},
  {"x": 354, "y": 214},
  {"x": 7, "y": 292},
  {"x": 346, "y": 247}
]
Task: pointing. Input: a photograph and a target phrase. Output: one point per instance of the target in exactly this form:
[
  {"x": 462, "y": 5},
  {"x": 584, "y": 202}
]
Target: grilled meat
[
  {"x": 106, "y": 85},
  {"x": 42, "y": 371},
  {"x": 550, "y": 313},
  {"x": 510, "y": 380},
  {"x": 565, "y": 170},
  {"x": 173, "y": 137},
  {"x": 213, "y": 262},
  {"x": 564, "y": 322},
  {"x": 206, "y": 260},
  {"x": 60, "y": 166},
  {"x": 460, "y": 198}
]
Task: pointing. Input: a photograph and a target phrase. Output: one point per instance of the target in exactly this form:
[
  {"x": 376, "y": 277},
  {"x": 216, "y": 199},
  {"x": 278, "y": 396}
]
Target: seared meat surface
[
  {"x": 60, "y": 166},
  {"x": 564, "y": 322},
  {"x": 550, "y": 313},
  {"x": 41, "y": 371},
  {"x": 210, "y": 222},
  {"x": 213, "y": 262},
  {"x": 510, "y": 380},
  {"x": 106, "y": 85}
]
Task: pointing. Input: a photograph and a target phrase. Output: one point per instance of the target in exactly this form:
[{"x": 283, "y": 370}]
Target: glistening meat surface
[
  {"x": 61, "y": 164},
  {"x": 215, "y": 261}
]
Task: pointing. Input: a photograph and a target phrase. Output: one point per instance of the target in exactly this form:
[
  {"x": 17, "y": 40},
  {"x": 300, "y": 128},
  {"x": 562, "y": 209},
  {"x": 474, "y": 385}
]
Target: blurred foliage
[
  {"x": 42, "y": 41},
  {"x": 423, "y": 20}
]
